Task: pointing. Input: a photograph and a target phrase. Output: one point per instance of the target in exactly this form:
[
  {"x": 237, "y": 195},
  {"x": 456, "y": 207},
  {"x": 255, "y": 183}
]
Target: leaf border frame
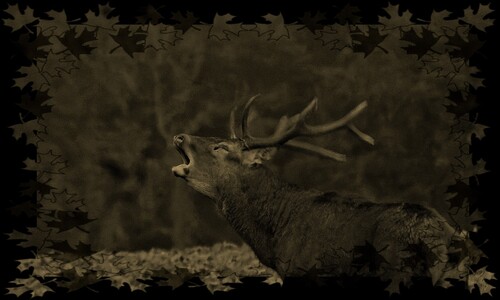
[{"x": 465, "y": 154}]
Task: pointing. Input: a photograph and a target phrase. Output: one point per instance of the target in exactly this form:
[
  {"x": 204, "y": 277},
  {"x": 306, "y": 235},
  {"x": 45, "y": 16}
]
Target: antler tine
[
  {"x": 232, "y": 125},
  {"x": 363, "y": 136},
  {"x": 312, "y": 106},
  {"x": 325, "y": 128},
  {"x": 244, "y": 116},
  {"x": 307, "y": 147},
  {"x": 286, "y": 123}
]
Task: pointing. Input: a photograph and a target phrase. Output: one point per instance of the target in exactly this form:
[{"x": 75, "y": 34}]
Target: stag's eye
[{"x": 221, "y": 147}]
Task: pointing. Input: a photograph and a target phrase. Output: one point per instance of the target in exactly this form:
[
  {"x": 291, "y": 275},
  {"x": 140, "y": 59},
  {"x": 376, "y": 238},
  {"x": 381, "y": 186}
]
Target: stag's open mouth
[
  {"x": 182, "y": 170},
  {"x": 185, "y": 157}
]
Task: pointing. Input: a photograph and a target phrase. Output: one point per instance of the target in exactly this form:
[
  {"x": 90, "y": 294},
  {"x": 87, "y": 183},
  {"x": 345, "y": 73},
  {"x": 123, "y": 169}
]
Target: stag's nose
[{"x": 180, "y": 138}]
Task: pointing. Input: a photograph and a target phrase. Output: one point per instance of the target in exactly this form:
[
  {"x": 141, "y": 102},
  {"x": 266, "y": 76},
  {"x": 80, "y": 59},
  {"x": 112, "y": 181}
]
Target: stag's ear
[{"x": 258, "y": 156}]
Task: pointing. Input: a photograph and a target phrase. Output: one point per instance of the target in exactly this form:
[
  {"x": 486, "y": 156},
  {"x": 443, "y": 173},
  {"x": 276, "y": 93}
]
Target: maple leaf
[
  {"x": 479, "y": 278},
  {"x": 461, "y": 248},
  {"x": 462, "y": 192},
  {"x": 395, "y": 19},
  {"x": 441, "y": 47},
  {"x": 101, "y": 18},
  {"x": 367, "y": 256},
  {"x": 475, "y": 131},
  {"x": 161, "y": 273},
  {"x": 56, "y": 26},
  {"x": 463, "y": 31},
  {"x": 31, "y": 48},
  {"x": 34, "y": 103},
  {"x": 32, "y": 75},
  {"x": 54, "y": 65},
  {"x": 339, "y": 36},
  {"x": 420, "y": 257},
  {"x": 129, "y": 41},
  {"x": 56, "y": 201},
  {"x": 461, "y": 105},
  {"x": 466, "y": 168},
  {"x": 149, "y": 14},
  {"x": 233, "y": 279},
  {"x": 47, "y": 163},
  {"x": 176, "y": 279},
  {"x": 69, "y": 253},
  {"x": 20, "y": 19},
  {"x": 464, "y": 78},
  {"x": 35, "y": 237},
  {"x": 360, "y": 29},
  {"x": 463, "y": 48},
  {"x": 478, "y": 19},
  {"x": 56, "y": 46},
  {"x": 394, "y": 283},
  {"x": 76, "y": 281},
  {"x": 466, "y": 219},
  {"x": 312, "y": 21},
  {"x": 32, "y": 186},
  {"x": 277, "y": 29},
  {"x": 348, "y": 14},
  {"x": 184, "y": 21},
  {"x": 313, "y": 275},
  {"x": 441, "y": 64},
  {"x": 219, "y": 27},
  {"x": 213, "y": 283},
  {"x": 25, "y": 264},
  {"x": 130, "y": 278},
  {"x": 466, "y": 129},
  {"x": 421, "y": 45},
  {"x": 31, "y": 129},
  {"x": 73, "y": 236},
  {"x": 77, "y": 44},
  {"x": 31, "y": 285},
  {"x": 69, "y": 219},
  {"x": 368, "y": 43},
  {"x": 274, "y": 279},
  {"x": 440, "y": 22}
]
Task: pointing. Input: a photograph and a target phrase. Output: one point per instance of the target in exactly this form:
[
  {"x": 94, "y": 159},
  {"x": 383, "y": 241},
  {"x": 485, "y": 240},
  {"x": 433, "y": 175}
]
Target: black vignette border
[{"x": 127, "y": 13}]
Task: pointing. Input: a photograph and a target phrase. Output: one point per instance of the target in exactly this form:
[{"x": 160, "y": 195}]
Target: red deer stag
[{"x": 293, "y": 230}]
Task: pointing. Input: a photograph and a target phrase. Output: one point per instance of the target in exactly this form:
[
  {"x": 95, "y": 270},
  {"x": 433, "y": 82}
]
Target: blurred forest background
[{"x": 114, "y": 118}]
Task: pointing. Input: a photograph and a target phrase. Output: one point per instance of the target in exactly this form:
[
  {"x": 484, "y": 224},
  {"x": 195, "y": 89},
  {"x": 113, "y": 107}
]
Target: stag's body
[{"x": 294, "y": 230}]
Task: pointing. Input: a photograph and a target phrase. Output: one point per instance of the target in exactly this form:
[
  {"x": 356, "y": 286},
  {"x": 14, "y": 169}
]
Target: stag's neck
[{"x": 259, "y": 206}]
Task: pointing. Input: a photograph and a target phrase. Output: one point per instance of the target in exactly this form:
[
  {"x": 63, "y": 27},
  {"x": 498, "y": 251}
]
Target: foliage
[
  {"x": 442, "y": 47},
  {"x": 219, "y": 268}
]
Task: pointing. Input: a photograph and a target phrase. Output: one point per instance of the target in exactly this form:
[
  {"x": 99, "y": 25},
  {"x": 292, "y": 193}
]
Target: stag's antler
[{"x": 289, "y": 128}]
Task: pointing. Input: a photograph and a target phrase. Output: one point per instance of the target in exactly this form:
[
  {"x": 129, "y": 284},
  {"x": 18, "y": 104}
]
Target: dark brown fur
[{"x": 293, "y": 230}]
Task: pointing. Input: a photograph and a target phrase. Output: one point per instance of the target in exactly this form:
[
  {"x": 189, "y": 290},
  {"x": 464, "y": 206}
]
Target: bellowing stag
[{"x": 294, "y": 230}]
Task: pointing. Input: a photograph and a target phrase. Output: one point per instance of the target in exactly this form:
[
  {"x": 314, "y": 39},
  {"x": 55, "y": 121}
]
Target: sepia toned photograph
[{"x": 164, "y": 150}]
